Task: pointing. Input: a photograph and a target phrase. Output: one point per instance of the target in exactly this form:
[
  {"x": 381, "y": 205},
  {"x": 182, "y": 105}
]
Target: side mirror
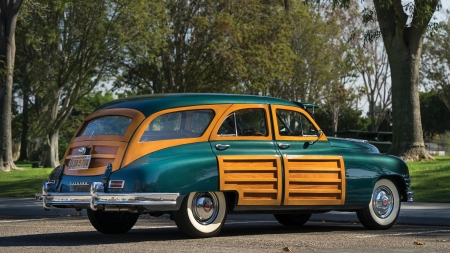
[{"x": 308, "y": 143}]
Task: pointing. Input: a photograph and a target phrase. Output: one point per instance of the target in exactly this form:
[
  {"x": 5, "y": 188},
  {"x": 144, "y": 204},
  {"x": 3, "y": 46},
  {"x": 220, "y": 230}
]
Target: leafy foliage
[
  {"x": 213, "y": 46},
  {"x": 349, "y": 119},
  {"x": 82, "y": 109},
  {"x": 69, "y": 47},
  {"x": 436, "y": 62},
  {"x": 435, "y": 115}
]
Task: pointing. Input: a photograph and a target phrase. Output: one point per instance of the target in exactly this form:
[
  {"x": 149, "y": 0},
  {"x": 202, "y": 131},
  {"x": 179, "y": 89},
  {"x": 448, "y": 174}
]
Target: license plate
[{"x": 79, "y": 162}]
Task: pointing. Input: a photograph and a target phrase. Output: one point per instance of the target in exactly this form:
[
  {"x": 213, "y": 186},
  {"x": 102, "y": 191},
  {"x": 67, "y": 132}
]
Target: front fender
[{"x": 364, "y": 170}]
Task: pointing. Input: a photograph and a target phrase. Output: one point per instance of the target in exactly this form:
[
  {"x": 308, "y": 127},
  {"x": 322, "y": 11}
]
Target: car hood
[{"x": 352, "y": 145}]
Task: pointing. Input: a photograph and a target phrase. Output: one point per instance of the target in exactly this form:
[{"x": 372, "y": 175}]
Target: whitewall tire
[
  {"x": 202, "y": 214},
  {"x": 384, "y": 206}
]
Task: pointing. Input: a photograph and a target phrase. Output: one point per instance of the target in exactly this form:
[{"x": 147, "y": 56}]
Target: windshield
[{"x": 112, "y": 125}]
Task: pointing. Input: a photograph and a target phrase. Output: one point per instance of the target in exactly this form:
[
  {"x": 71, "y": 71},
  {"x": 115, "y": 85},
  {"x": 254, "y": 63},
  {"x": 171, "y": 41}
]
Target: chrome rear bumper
[{"x": 97, "y": 197}]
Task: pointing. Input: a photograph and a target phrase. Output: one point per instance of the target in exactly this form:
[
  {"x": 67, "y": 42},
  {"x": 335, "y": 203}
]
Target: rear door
[
  {"x": 314, "y": 173},
  {"x": 248, "y": 160}
]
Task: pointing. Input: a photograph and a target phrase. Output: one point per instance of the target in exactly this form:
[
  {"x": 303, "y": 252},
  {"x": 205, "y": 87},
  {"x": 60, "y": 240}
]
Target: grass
[
  {"x": 23, "y": 183},
  {"x": 430, "y": 180}
]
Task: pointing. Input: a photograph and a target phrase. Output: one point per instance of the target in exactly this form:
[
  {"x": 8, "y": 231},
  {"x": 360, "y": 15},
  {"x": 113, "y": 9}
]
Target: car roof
[{"x": 149, "y": 104}]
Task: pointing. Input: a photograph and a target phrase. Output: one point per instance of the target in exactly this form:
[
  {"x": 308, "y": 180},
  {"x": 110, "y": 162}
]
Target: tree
[
  {"x": 436, "y": 61},
  {"x": 437, "y": 114},
  {"x": 403, "y": 27},
  {"x": 9, "y": 10},
  {"x": 85, "y": 106},
  {"x": 79, "y": 44},
  {"x": 373, "y": 67},
  {"x": 349, "y": 119},
  {"x": 214, "y": 46}
]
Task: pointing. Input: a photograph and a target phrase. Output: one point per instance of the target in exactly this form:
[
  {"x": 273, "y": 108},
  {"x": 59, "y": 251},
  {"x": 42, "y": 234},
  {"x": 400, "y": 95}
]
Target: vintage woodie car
[{"x": 199, "y": 157}]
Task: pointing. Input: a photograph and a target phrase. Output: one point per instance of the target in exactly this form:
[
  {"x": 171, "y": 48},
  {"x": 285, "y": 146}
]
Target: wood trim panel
[
  {"x": 256, "y": 179},
  {"x": 138, "y": 149},
  {"x": 314, "y": 180},
  {"x": 235, "y": 107},
  {"x": 294, "y": 138},
  {"x": 99, "y": 160}
]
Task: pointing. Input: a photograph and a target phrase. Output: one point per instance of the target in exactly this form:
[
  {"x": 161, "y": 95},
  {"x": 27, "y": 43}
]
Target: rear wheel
[
  {"x": 292, "y": 219},
  {"x": 112, "y": 222},
  {"x": 202, "y": 214},
  {"x": 384, "y": 207}
]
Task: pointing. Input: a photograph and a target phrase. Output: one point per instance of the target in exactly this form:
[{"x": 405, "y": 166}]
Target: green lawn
[
  {"x": 430, "y": 180},
  {"x": 23, "y": 183}
]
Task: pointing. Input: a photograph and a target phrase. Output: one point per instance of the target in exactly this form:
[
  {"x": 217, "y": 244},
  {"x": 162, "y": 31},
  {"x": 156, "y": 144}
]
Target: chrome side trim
[{"x": 97, "y": 196}]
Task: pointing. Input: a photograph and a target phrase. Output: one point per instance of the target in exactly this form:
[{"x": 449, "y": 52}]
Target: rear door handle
[
  {"x": 283, "y": 145},
  {"x": 222, "y": 146}
]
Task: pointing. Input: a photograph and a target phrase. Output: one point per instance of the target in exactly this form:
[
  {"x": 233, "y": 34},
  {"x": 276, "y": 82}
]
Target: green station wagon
[{"x": 199, "y": 157}]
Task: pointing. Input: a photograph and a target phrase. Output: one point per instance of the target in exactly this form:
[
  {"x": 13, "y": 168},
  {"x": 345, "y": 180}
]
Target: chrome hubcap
[
  {"x": 205, "y": 207},
  {"x": 382, "y": 202}
]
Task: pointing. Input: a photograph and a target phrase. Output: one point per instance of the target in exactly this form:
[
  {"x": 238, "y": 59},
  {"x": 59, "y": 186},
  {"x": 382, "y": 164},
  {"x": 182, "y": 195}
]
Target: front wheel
[
  {"x": 202, "y": 214},
  {"x": 292, "y": 219},
  {"x": 112, "y": 222},
  {"x": 384, "y": 207}
]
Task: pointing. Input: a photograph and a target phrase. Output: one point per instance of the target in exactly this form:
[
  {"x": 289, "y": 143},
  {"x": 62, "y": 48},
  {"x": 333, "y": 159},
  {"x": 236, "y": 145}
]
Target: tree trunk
[
  {"x": 6, "y": 160},
  {"x": 8, "y": 18},
  {"x": 335, "y": 117},
  {"x": 403, "y": 42},
  {"x": 52, "y": 157},
  {"x": 25, "y": 125},
  {"x": 406, "y": 119}
]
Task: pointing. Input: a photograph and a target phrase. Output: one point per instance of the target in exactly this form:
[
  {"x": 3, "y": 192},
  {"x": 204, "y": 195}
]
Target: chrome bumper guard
[
  {"x": 410, "y": 196},
  {"x": 97, "y": 196}
]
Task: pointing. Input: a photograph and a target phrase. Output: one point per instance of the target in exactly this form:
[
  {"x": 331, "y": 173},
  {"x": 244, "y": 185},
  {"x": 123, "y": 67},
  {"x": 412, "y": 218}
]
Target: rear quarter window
[
  {"x": 178, "y": 125},
  {"x": 110, "y": 125}
]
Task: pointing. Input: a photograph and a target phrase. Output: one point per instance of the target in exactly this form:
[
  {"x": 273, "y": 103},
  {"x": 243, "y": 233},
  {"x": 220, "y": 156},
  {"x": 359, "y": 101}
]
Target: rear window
[
  {"x": 178, "y": 125},
  {"x": 112, "y": 125}
]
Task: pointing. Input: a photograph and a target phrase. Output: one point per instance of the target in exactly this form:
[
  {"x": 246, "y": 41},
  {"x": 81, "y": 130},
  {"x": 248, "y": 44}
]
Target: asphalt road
[
  {"x": 26, "y": 227},
  {"x": 414, "y": 213},
  {"x": 75, "y": 234}
]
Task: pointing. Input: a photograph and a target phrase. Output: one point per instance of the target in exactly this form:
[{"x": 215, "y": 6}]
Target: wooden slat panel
[
  {"x": 314, "y": 185},
  {"x": 315, "y": 175},
  {"x": 312, "y": 163},
  {"x": 232, "y": 163},
  {"x": 313, "y": 169},
  {"x": 239, "y": 169},
  {"x": 314, "y": 180},
  {"x": 256, "y": 179},
  {"x": 311, "y": 180},
  {"x": 243, "y": 180},
  {"x": 250, "y": 190},
  {"x": 259, "y": 185},
  {"x": 314, "y": 191},
  {"x": 259, "y": 197},
  {"x": 248, "y": 174},
  {"x": 98, "y": 156}
]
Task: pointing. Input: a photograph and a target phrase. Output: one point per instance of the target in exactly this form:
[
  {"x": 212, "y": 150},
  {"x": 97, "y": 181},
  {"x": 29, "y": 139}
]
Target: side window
[
  {"x": 178, "y": 125},
  {"x": 292, "y": 123},
  {"x": 246, "y": 122}
]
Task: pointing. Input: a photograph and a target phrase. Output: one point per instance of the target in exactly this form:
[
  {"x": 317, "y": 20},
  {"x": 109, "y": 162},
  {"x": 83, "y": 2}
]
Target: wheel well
[
  {"x": 400, "y": 184},
  {"x": 231, "y": 199}
]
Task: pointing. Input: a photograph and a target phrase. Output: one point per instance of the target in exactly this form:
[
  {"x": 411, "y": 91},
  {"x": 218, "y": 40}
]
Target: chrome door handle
[
  {"x": 222, "y": 146},
  {"x": 283, "y": 145}
]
